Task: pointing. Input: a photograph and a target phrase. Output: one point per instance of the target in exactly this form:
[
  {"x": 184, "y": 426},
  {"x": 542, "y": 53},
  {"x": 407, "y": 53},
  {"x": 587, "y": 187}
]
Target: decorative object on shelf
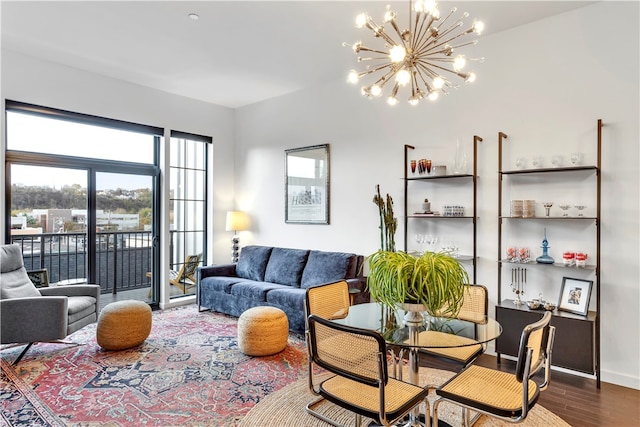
[
  {"x": 435, "y": 279},
  {"x": 413, "y": 166},
  {"x": 540, "y": 304},
  {"x": 568, "y": 258},
  {"x": 565, "y": 207},
  {"x": 547, "y": 207},
  {"x": 420, "y": 241},
  {"x": 556, "y": 161},
  {"x": 426, "y": 206},
  {"x": 528, "y": 208},
  {"x": 428, "y": 166},
  {"x": 307, "y": 185},
  {"x": 236, "y": 221},
  {"x": 580, "y": 208},
  {"x": 417, "y": 57},
  {"x": 575, "y": 295},
  {"x": 576, "y": 159},
  {"x": 452, "y": 210},
  {"x": 545, "y": 258},
  {"x": 460, "y": 160},
  {"x": 537, "y": 161},
  {"x": 388, "y": 223},
  {"x": 517, "y": 207},
  {"x": 518, "y": 281},
  {"x": 439, "y": 170},
  {"x": 581, "y": 259},
  {"x": 521, "y": 163}
]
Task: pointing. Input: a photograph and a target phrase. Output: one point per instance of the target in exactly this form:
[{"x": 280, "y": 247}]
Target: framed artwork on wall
[
  {"x": 575, "y": 295},
  {"x": 306, "y": 189}
]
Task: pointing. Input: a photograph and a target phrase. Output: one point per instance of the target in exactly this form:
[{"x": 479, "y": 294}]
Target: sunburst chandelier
[{"x": 422, "y": 57}]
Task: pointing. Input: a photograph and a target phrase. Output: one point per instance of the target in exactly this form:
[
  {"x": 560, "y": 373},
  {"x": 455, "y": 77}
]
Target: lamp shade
[{"x": 237, "y": 221}]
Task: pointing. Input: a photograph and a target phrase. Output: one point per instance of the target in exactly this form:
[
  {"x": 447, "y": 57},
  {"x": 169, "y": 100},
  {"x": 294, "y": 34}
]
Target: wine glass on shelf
[
  {"x": 547, "y": 207},
  {"x": 431, "y": 241},
  {"x": 576, "y": 158},
  {"x": 580, "y": 208},
  {"x": 565, "y": 207},
  {"x": 420, "y": 241}
]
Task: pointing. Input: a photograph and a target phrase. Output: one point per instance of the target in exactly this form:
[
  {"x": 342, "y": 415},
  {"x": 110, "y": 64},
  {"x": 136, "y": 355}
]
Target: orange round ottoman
[
  {"x": 123, "y": 324},
  {"x": 263, "y": 331}
]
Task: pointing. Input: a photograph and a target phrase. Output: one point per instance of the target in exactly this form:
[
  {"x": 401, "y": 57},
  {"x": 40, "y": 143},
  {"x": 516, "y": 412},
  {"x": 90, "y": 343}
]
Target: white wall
[
  {"x": 544, "y": 84},
  {"x": 29, "y": 80}
]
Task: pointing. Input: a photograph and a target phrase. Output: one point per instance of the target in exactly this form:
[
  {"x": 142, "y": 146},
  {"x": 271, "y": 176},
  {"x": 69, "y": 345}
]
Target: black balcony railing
[{"x": 123, "y": 258}]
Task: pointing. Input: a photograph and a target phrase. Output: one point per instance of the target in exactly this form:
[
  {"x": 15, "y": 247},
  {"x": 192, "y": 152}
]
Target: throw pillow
[
  {"x": 285, "y": 266},
  {"x": 325, "y": 267},
  {"x": 253, "y": 262}
]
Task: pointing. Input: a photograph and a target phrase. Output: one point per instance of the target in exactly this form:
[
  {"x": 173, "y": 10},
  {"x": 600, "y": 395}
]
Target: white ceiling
[{"x": 237, "y": 53}]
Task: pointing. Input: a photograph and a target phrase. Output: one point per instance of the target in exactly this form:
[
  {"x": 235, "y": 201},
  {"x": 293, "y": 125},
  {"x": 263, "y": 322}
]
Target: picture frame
[
  {"x": 307, "y": 185},
  {"x": 40, "y": 277},
  {"x": 575, "y": 295}
]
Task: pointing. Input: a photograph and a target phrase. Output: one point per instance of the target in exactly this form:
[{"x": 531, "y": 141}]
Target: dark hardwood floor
[{"x": 573, "y": 398}]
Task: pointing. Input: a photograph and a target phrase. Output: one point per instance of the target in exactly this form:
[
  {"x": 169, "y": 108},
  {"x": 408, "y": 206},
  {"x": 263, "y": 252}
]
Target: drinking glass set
[
  {"x": 429, "y": 240},
  {"x": 537, "y": 162}
]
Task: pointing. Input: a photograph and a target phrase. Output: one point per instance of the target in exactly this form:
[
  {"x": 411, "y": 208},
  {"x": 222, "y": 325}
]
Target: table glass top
[{"x": 431, "y": 332}]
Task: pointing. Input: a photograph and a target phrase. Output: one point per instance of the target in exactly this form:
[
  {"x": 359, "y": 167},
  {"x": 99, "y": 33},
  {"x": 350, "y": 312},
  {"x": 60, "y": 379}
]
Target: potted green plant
[{"x": 435, "y": 280}]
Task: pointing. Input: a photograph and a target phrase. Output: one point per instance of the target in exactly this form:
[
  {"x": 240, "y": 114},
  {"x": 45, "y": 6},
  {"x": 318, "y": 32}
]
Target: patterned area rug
[
  {"x": 189, "y": 372},
  {"x": 286, "y": 408}
]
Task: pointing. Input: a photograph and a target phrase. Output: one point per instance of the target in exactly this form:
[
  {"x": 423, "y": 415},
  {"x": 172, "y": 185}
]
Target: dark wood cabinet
[{"x": 574, "y": 343}]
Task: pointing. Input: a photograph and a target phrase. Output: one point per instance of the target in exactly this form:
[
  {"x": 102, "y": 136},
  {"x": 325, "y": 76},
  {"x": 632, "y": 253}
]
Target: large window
[
  {"x": 83, "y": 197},
  {"x": 187, "y": 200}
]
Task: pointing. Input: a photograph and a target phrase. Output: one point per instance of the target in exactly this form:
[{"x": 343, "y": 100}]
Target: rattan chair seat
[
  {"x": 488, "y": 389},
  {"x": 399, "y": 396},
  {"x": 460, "y": 349}
]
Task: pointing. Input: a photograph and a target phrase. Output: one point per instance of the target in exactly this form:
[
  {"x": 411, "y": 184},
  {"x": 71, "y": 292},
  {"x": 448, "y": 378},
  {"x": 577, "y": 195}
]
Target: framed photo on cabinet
[{"x": 575, "y": 295}]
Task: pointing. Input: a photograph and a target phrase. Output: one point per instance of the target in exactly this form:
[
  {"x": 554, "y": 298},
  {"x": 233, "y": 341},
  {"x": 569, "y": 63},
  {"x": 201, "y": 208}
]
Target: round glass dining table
[{"x": 417, "y": 330}]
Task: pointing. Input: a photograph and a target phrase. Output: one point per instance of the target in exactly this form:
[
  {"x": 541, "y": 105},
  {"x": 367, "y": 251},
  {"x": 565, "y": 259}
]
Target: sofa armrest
[
  {"x": 227, "y": 270},
  {"x": 33, "y": 319},
  {"x": 360, "y": 283}
]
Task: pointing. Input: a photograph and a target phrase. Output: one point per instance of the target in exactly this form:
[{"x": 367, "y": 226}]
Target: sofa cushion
[
  {"x": 287, "y": 297},
  {"x": 253, "y": 262},
  {"x": 219, "y": 283},
  {"x": 285, "y": 266},
  {"x": 256, "y": 291},
  {"x": 325, "y": 267}
]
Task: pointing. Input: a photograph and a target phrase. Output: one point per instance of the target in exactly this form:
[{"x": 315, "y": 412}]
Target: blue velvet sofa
[{"x": 277, "y": 277}]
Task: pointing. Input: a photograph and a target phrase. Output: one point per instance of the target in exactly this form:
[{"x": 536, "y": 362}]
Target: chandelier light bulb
[
  {"x": 459, "y": 62},
  {"x": 421, "y": 54},
  {"x": 403, "y": 77},
  {"x": 478, "y": 27},
  {"x": 353, "y": 77},
  {"x": 397, "y": 54}
]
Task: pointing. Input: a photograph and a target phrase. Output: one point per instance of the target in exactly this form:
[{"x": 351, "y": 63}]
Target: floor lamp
[{"x": 236, "y": 221}]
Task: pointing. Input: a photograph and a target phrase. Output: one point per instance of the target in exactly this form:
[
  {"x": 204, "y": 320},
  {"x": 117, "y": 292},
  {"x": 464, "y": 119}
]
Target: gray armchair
[{"x": 29, "y": 314}]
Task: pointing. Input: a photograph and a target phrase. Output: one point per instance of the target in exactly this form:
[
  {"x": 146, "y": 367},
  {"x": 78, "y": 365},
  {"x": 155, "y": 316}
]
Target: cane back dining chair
[
  {"x": 362, "y": 387},
  {"x": 330, "y": 300},
  {"x": 508, "y": 397},
  {"x": 463, "y": 350}
]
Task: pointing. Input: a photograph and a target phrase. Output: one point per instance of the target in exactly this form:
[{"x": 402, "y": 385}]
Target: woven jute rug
[{"x": 286, "y": 408}]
